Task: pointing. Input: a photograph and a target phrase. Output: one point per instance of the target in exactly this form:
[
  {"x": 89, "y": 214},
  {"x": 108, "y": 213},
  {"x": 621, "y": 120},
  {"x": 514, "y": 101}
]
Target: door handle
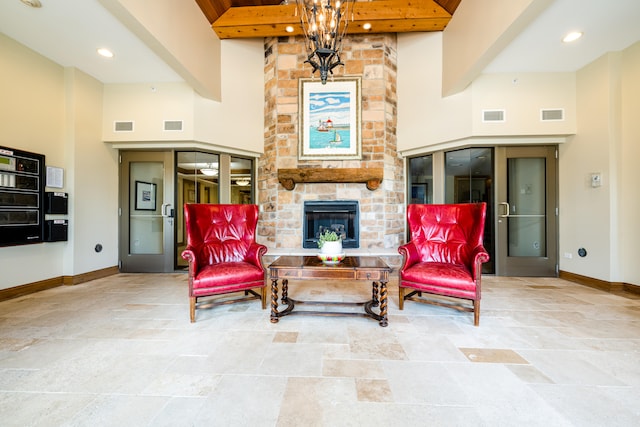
[
  {"x": 507, "y": 210},
  {"x": 167, "y": 211}
]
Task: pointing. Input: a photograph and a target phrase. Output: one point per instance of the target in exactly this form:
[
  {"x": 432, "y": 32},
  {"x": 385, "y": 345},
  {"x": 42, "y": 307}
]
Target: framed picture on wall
[
  {"x": 145, "y": 196},
  {"x": 419, "y": 193},
  {"x": 330, "y": 121}
]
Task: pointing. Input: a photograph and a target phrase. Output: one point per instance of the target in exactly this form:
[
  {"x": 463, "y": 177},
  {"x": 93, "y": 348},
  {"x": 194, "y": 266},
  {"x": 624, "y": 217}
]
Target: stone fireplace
[{"x": 372, "y": 57}]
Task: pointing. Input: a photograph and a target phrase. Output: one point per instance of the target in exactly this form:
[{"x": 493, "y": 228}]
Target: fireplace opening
[{"x": 341, "y": 216}]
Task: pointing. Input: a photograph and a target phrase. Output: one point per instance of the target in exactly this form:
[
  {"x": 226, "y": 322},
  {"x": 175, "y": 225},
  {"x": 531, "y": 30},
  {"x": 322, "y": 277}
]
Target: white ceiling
[{"x": 69, "y": 32}]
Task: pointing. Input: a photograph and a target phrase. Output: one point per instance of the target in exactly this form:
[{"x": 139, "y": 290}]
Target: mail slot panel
[
  {"x": 18, "y": 218},
  {"x": 18, "y": 199},
  {"x": 21, "y": 197}
]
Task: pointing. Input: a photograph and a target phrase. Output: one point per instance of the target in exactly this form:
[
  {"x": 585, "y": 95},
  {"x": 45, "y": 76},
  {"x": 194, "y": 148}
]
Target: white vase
[{"x": 332, "y": 248}]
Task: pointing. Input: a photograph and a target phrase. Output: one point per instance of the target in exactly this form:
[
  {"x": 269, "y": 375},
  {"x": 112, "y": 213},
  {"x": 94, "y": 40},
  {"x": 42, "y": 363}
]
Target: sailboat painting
[{"x": 330, "y": 119}]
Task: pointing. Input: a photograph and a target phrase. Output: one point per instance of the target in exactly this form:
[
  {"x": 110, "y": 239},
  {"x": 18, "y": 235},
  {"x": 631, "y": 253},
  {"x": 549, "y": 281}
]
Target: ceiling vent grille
[
  {"x": 123, "y": 126},
  {"x": 493, "y": 116},
  {"x": 556, "y": 114},
  {"x": 173, "y": 125}
]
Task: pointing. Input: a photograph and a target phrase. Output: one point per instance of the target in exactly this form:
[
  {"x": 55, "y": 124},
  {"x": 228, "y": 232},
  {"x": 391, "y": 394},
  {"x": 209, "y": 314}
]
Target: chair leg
[
  {"x": 401, "y": 295},
  {"x": 192, "y": 308},
  {"x": 263, "y": 293},
  {"x": 476, "y": 312}
]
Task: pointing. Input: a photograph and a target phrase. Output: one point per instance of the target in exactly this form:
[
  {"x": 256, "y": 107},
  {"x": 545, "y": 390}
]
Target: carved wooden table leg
[
  {"x": 274, "y": 301},
  {"x": 383, "y": 304},
  {"x": 285, "y": 291},
  {"x": 374, "y": 297}
]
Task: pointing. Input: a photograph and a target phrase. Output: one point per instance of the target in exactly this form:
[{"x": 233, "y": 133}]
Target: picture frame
[
  {"x": 419, "y": 193},
  {"x": 145, "y": 196},
  {"x": 330, "y": 119}
]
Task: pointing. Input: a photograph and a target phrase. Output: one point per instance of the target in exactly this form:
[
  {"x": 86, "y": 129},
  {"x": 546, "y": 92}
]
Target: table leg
[
  {"x": 374, "y": 297},
  {"x": 285, "y": 291},
  {"x": 274, "y": 301},
  {"x": 383, "y": 304}
]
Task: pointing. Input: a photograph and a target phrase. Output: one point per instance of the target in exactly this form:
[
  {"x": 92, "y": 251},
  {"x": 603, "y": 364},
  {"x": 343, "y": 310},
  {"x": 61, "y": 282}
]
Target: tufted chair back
[
  {"x": 223, "y": 254},
  {"x": 220, "y": 233},
  {"x": 447, "y": 233},
  {"x": 444, "y": 255}
]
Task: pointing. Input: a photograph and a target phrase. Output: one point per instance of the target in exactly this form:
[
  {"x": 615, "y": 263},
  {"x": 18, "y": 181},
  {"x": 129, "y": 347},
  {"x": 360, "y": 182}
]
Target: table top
[{"x": 312, "y": 262}]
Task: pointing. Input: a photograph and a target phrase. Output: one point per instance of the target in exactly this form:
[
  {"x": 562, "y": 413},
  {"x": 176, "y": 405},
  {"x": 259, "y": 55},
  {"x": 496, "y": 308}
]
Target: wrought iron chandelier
[{"x": 324, "y": 23}]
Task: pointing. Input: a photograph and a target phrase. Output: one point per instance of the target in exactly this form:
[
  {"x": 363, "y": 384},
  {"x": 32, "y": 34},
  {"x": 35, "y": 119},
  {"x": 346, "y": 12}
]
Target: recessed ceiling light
[
  {"x": 289, "y": 29},
  {"x": 572, "y": 36},
  {"x": 366, "y": 26},
  {"x": 32, "y": 3},
  {"x": 105, "y": 52}
]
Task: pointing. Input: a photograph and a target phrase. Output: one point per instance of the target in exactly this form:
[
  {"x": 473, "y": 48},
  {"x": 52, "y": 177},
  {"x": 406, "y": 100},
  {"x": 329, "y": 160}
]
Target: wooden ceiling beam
[
  {"x": 213, "y": 9},
  {"x": 385, "y": 16}
]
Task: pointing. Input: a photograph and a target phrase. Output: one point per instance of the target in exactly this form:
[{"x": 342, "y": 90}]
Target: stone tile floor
[{"x": 120, "y": 351}]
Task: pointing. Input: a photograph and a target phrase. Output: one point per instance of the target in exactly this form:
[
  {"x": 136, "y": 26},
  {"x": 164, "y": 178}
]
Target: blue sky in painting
[{"x": 329, "y": 105}]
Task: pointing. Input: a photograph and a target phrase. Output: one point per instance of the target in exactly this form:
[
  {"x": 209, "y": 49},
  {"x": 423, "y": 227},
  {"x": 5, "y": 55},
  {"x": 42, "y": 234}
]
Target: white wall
[
  {"x": 478, "y": 31},
  {"x": 56, "y": 112},
  {"x": 603, "y": 220},
  {"x": 427, "y": 120},
  {"x": 179, "y": 33},
  {"x": 629, "y": 173},
  {"x": 522, "y": 96},
  {"x": 236, "y": 124},
  {"x": 92, "y": 176}
]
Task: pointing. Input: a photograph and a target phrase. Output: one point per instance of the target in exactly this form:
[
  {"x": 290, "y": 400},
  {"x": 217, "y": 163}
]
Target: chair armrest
[
  {"x": 255, "y": 253},
  {"x": 410, "y": 255},
  {"x": 478, "y": 257},
  {"x": 189, "y": 255}
]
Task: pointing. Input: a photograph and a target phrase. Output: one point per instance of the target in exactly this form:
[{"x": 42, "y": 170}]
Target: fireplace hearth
[{"x": 341, "y": 216}]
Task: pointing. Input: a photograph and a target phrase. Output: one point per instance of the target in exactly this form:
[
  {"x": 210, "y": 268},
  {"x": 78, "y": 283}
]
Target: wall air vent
[
  {"x": 173, "y": 125},
  {"x": 492, "y": 116},
  {"x": 556, "y": 114},
  {"x": 123, "y": 126}
]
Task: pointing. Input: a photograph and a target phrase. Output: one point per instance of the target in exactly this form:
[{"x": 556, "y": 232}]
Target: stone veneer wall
[{"x": 382, "y": 211}]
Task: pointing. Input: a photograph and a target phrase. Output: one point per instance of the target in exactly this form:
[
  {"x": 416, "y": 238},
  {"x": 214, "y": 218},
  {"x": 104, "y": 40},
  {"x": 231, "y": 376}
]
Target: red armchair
[
  {"x": 445, "y": 255},
  {"x": 223, "y": 254}
]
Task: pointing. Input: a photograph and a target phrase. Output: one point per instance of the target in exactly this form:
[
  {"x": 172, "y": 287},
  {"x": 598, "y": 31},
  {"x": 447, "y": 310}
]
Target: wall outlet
[{"x": 568, "y": 255}]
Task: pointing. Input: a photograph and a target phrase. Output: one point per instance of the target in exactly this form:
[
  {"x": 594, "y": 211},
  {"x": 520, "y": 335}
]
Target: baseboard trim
[
  {"x": 30, "y": 288},
  {"x": 603, "y": 285}
]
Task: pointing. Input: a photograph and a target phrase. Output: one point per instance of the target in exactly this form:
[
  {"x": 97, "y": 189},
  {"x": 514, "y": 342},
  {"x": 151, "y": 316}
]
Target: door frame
[
  {"x": 147, "y": 263},
  {"x": 527, "y": 266}
]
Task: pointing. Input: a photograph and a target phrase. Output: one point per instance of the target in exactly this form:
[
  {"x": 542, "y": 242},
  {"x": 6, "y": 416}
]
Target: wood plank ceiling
[{"x": 269, "y": 18}]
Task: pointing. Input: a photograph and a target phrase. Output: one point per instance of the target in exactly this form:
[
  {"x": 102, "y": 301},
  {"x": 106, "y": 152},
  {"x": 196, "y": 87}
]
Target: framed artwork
[
  {"x": 145, "y": 196},
  {"x": 330, "y": 120},
  {"x": 419, "y": 193}
]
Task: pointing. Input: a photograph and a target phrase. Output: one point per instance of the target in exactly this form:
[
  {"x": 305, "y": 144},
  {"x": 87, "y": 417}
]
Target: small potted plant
[{"x": 330, "y": 242}]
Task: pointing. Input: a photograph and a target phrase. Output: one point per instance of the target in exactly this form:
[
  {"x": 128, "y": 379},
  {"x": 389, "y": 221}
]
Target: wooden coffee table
[{"x": 367, "y": 268}]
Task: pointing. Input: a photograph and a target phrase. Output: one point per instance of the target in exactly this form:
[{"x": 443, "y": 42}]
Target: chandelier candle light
[{"x": 324, "y": 25}]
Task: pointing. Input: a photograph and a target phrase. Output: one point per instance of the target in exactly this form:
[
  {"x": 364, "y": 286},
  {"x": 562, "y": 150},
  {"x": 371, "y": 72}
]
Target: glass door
[
  {"x": 469, "y": 178},
  {"x": 527, "y": 211},
  {"x": 146, "y": 212}
]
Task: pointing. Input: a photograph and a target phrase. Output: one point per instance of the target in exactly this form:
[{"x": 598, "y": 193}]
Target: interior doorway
[
  {"x": 527, "y": 211},
  {"x": 146, "y": 212}
]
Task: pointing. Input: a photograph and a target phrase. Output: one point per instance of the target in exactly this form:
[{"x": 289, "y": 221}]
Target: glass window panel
[
  {"x": 241, "y": 180},
  {"x": 145, "y": 218},
  {"x": 420, "y": 179},
  {"x": 526, "y": 194}
]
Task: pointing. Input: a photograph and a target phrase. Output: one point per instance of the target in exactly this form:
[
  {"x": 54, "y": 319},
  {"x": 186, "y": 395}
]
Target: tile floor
[{"x": 120, "y": 351}]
